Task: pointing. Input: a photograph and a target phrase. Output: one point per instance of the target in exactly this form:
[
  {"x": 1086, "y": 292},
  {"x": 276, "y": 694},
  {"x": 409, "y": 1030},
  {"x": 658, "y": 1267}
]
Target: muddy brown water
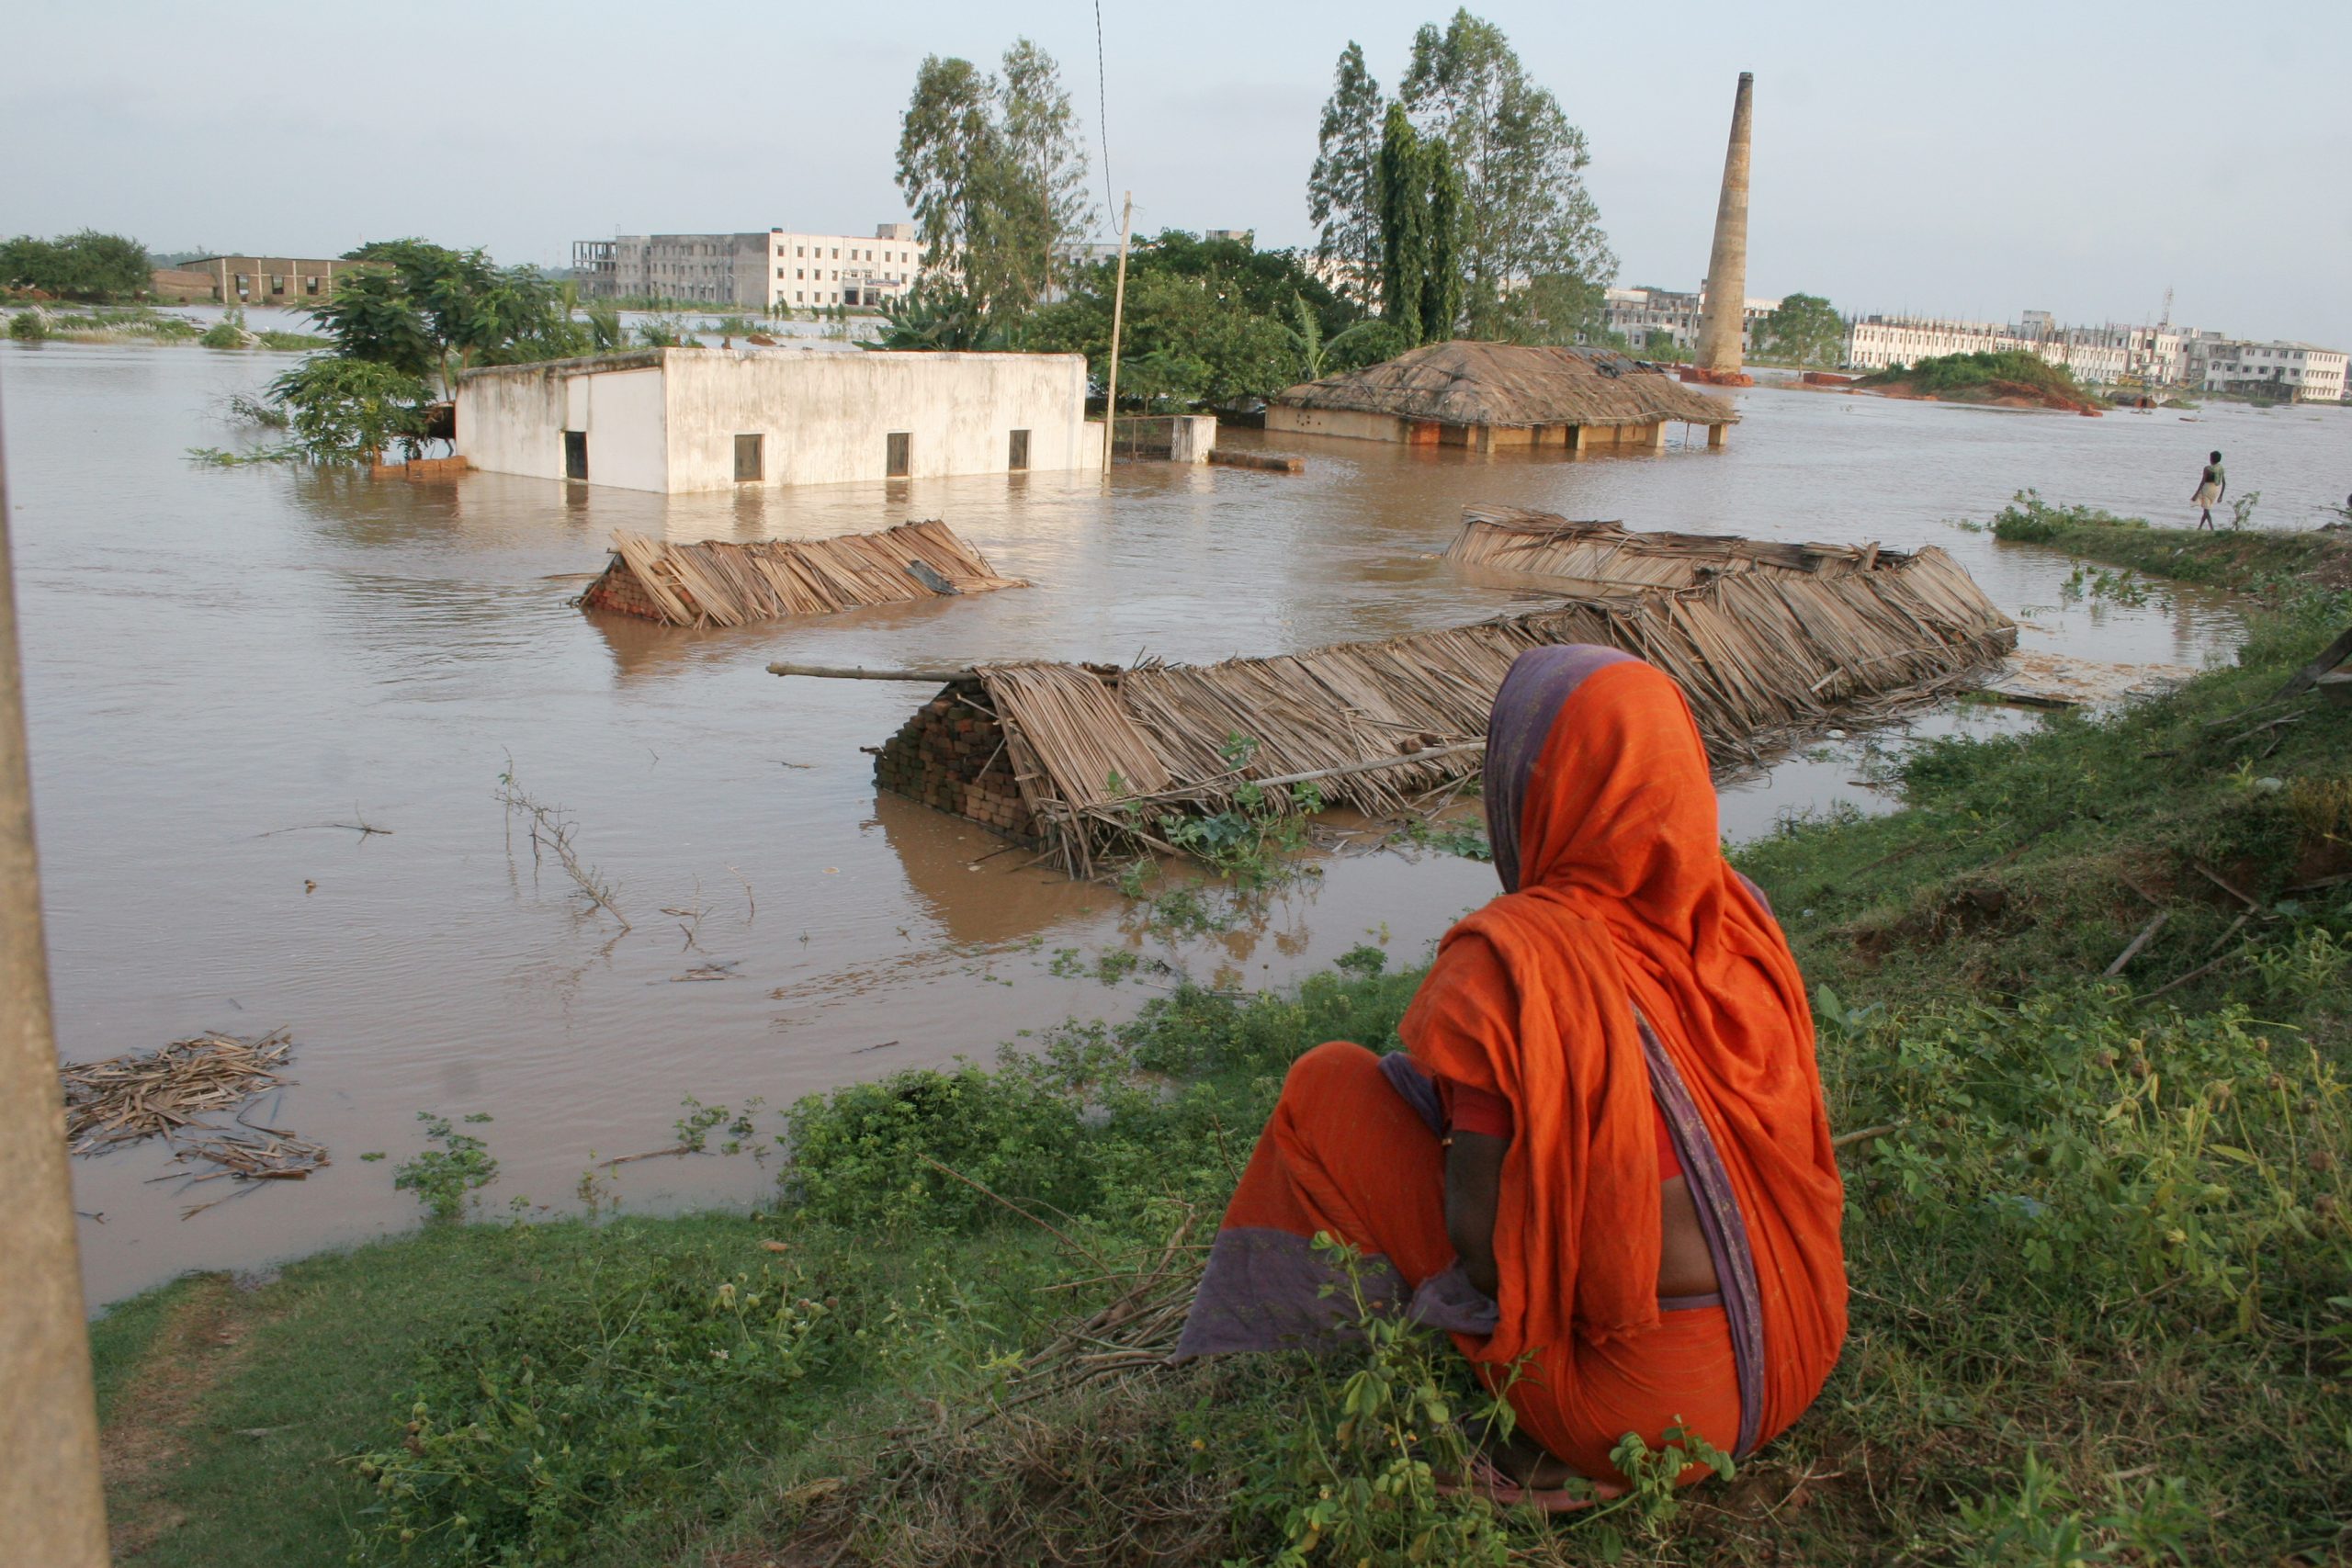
[{"x": 224, "y": 663}]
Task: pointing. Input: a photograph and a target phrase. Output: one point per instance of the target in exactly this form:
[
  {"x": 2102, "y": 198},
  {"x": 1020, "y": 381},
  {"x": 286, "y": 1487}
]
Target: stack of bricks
[
  {"x": 951, "y": 756},
  {"x": 619, "y": 590}
]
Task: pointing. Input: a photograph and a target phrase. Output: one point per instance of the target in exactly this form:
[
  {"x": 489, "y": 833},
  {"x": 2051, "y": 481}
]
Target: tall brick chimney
[{"x": 1719, "y": 328}]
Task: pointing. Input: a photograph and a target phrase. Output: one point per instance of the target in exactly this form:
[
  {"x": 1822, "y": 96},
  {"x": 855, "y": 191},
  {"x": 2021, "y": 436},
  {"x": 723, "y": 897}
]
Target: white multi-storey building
[
  {"x": 758, "y": 272},
  {"x": 1636, "y": 313},
  {"x": 2295, "y": 370},
  {"x": 2110, "y": 354}
]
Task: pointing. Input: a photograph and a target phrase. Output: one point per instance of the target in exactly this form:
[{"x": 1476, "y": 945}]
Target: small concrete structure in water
[
  {"x": 1489, "y": 395},
  {"x": 677, "y": 419}
]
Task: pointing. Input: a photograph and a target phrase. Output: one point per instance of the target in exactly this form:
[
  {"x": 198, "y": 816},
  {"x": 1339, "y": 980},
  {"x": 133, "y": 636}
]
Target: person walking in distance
[{"x": 2209, "y": 490}]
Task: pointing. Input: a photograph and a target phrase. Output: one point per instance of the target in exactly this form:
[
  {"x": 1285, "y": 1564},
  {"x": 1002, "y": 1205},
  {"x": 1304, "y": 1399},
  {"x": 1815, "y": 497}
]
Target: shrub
[{"x": 603, "y": 1397}]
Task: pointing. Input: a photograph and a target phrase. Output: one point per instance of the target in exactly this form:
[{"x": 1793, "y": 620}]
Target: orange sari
[{"x": 1628, "y": 960}]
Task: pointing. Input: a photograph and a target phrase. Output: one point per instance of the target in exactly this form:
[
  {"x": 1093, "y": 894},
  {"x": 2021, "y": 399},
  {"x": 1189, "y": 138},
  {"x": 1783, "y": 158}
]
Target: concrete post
[
  {"x": 1719, "y": 328},
  {"x": 53, "y": 1511}
]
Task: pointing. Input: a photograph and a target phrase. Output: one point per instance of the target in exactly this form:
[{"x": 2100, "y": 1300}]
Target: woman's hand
[{"x": 1474, "y": 1181}]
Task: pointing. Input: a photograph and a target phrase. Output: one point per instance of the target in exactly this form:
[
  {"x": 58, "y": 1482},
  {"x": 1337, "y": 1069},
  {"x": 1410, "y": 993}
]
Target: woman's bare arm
[{"x": 1474, "y": 1182}]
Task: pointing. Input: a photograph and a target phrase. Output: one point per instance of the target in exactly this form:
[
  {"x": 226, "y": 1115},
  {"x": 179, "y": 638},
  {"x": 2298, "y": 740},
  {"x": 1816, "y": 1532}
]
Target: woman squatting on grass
[{"x": 1603, "y": 1162}]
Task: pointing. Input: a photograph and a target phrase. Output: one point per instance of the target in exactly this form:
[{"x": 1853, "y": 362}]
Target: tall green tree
[
  {"x": 1404, "y": 223},
  {"x": 1805, "y": 328},
  {"x": 1442, "y": 282},
  {"x": 1047, "y": 203},
  {"x": 995, "y": 172},
  {"x": 1343, "y": 188},
  {"x": 87, "y": 265},
  {"x": 1526, "y": 212}
]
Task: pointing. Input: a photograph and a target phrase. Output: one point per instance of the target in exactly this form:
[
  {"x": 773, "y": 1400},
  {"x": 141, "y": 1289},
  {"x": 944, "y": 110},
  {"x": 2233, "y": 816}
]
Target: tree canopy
[
  {"x": 89, "y": 267},
  {"x": 995, "y": 172},
  {"x": 429, "y": 311},
  {"x": 1207, "y": 320},
  {"x": 1805, "y": 328},
  {"x": 1343, "y": 188},
  {"x": 1526, "y": 210}
]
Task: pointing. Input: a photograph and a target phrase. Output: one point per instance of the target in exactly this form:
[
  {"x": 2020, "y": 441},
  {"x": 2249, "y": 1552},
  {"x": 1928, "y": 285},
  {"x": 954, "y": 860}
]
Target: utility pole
[
  {"x": 1118, "y": 320},
  {"x": 53, "y": 1510}
]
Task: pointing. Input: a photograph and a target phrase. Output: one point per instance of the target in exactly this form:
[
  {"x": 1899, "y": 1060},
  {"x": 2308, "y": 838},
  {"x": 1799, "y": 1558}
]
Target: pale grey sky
[{"x": 1969, "y": 162}]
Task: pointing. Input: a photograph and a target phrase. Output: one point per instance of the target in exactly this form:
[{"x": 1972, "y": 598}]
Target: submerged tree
[
  {"x": 433, "y": 312},
  {"x": 1343, "y": 188},
  {"x": 995, "y": 174},
  {"x": 1526, "y": 212}
]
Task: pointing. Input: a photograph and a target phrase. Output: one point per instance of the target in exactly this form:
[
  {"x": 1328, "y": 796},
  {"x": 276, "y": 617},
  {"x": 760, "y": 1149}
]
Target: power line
[{"x": 1102, "y": 110}]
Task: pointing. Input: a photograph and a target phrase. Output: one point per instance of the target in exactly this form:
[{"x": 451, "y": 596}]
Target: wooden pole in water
[
  {"x": 1118, "y": 320},
  {"x": 53, "y": 1510}
]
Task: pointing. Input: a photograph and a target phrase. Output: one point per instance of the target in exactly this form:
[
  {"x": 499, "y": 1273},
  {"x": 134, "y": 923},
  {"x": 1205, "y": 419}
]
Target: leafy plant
[
  {"x": 446, "y": 1178},
  {"x": 229, "y": 331},
  {"x": 603, "y": 1395},
  {"x": 1356, "y": 1477},
  {"x": 350, "y": 410}
]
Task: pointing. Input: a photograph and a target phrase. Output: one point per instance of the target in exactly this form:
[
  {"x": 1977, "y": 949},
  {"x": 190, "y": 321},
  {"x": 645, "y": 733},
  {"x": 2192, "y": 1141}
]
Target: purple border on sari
[
  {"x": 1540, "y": 680},
  {"x": 1724, "y": 1228}
]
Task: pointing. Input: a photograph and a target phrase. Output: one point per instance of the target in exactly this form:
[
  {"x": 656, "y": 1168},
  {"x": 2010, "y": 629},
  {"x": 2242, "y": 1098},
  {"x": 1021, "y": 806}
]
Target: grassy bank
[
  {"x": 2268, "y": 564},
  {"x": 2102, "y": 1271}
]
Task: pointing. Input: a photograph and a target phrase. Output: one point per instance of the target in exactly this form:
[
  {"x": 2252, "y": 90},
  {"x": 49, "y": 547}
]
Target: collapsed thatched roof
[
  {"x": 1594, "y": 552},
  {"x": 727, "y": 583},
  {"x": 1510, "y": 385},
  {"x": 1766, "y": 657}
]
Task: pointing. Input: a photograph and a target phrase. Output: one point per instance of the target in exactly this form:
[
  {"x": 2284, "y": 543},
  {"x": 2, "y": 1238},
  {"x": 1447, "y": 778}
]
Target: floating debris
[
  {"x": 2056, "y": 680},
  {"x": 124, "y": 1098},
  {"x": 171, "y": 1093},
  {"x": 721, "y": 582}
]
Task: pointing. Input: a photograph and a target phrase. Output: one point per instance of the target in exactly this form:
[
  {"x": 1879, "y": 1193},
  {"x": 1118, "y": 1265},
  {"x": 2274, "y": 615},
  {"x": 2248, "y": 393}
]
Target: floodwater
[{"x": 226, "y": 664}]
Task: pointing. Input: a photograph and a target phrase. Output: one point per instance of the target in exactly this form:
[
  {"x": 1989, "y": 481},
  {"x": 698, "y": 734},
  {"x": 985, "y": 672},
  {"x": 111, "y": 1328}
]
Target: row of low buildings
[
  {"x": 2116, "y": 353},
  {"x": 2112, "y": 355}
]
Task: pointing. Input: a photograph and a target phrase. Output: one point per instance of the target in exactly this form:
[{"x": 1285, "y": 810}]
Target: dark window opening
[
  {"x": 1019, "y": 462},
  {"x": 896, "y": 461},
  {"x": 277, "y": 283},
  {"x": 575, "y": 454},
  {"x": 751, "y": 464}
]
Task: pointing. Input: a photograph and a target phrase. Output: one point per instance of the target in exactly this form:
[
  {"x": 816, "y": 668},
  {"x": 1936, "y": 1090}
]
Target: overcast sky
[{"x": 2073, "y": 157}]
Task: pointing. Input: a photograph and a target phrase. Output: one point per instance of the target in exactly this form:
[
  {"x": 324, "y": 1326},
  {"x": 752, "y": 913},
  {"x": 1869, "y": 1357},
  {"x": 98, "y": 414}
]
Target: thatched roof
[
  {"x": 1768, "y": 658},
  {"x": 1507, "y": 385},
  {"x": 723, "y": 582},
  {"x": 1593, "y": 552}
]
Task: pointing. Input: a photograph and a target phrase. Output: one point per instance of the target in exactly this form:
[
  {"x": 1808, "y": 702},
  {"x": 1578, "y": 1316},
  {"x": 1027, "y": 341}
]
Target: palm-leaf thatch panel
[
  {"x": 1512, "y": 386},
  {"x": 723, "y": 582}
]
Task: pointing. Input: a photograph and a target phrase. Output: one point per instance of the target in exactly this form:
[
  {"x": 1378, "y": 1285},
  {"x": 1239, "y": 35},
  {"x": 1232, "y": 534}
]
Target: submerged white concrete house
[{"x": 702, "y": 419}]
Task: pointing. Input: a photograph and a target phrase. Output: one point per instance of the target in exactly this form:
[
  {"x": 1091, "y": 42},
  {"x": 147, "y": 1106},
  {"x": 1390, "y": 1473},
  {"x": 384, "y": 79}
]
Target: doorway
[
  {"x": 575, "y": 455},
  {"x": 1018, "y": 460},
  {"x": 896, "y": 461}
]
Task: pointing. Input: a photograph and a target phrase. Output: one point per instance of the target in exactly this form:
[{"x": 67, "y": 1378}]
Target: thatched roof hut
[
  {"x": 1769, "y": 649},
  {"x": 1485, "y": 395},
  {"x": 722, "y": 582}
]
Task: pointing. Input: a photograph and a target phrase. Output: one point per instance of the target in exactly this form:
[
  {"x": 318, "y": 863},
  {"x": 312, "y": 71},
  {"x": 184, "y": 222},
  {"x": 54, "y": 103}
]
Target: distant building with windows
[
  {"x": 1636, "y": 313},
  {"x": 249, "y": 280},
  {"x": 755, "y": 272},
  {"x": 2114, "y": 353},
  {"x": 2298, "y": 371}
]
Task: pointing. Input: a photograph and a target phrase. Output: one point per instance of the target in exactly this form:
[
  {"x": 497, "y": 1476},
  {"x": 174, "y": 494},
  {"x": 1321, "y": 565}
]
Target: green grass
[
  {"x": 2264, "y": 562},
  {"x": 2102, "y": 1270}
]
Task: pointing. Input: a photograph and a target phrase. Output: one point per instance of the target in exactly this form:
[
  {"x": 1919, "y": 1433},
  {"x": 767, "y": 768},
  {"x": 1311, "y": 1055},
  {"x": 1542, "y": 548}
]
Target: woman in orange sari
[{"x": 1602, "y": 1160}]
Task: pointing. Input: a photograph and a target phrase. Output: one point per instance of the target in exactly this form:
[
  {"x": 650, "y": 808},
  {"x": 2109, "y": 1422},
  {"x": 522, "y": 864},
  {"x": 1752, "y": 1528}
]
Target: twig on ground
[
  {"x": 2216, "y": 878},
  {"x": 1845, "y": 1140},
  {"x": 2148, "y": 934},
  {"x": 2197, "y": 973},
  {"x": 1064, "y": 1236}
]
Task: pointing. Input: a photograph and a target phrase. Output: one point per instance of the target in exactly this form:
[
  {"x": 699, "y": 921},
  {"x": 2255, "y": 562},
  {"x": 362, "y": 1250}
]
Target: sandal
[{"x": 1482, "y": 1479}]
